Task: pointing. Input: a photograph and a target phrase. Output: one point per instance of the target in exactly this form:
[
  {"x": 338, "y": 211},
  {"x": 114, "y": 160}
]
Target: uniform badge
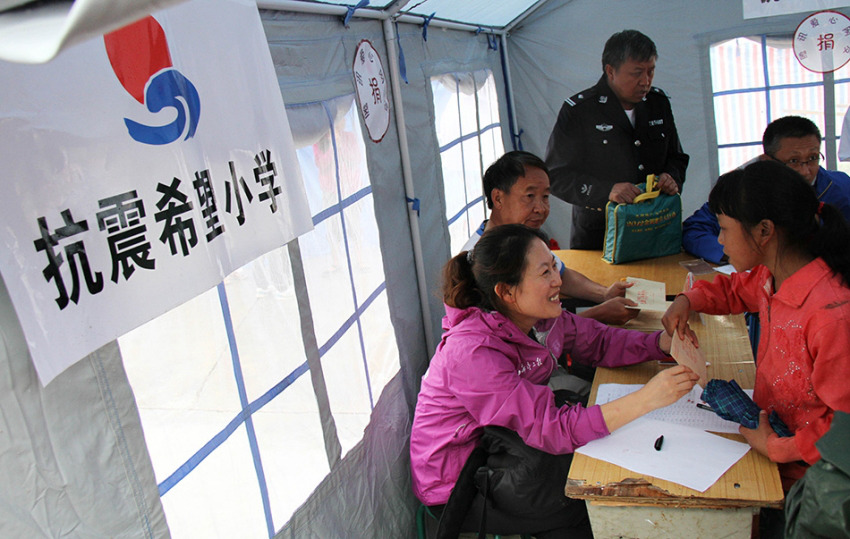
[
  {"x": 604, "y": 127},
  {"x": 660, "y": 121},
  {"x": 603, "y": 98}
]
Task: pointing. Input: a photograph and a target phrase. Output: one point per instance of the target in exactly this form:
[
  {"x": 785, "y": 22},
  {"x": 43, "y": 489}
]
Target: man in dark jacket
[{"x": 611, "y": 136}]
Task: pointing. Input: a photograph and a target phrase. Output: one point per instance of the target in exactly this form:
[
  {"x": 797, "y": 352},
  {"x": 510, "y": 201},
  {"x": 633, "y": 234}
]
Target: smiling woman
[
  {"x": 504, "y": 329},
  {"x": 536, "y": 296}
]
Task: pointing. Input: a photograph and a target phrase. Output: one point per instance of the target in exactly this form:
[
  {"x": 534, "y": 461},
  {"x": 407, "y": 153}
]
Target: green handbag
[{"x": 649, "y": 227}]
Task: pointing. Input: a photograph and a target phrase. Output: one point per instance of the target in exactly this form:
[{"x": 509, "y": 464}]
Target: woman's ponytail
[{"x": 459, "y": 288}]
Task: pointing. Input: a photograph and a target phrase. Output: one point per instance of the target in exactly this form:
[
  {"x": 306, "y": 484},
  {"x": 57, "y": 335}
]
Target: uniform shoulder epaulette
[
  {"x": 658, "y": 90},
  {"x": 579, "y": 97}
]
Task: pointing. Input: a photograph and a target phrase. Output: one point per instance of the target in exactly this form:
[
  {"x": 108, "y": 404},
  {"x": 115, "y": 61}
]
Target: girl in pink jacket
[
  {"x": 504, "y": 328},
  {"x": 798, "y": 252}
]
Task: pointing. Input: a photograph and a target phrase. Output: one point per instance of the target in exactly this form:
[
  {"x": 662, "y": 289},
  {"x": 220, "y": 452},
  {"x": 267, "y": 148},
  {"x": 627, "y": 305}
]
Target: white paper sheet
[
  {"x": 649, "y": 295},
  {"x": 682, "y": 412},
  {"x": 688, "y": 456},
  {"x": 728, "y": 269}
]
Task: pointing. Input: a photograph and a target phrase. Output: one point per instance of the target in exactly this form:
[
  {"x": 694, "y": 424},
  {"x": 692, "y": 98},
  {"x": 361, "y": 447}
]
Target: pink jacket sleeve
[
  {"x": 488, "y": 386},
  {"x": 593, "y": 343}
]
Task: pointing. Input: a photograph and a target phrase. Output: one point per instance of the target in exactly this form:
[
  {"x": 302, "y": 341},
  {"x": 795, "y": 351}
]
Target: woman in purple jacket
[{"x": 503, "y": 329}]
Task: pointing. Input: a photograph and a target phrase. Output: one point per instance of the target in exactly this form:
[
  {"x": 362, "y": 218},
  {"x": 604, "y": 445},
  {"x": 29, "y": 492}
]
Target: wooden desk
[
  {"x": 666, "y": 269},
  {"x": 621, "y": 502}
]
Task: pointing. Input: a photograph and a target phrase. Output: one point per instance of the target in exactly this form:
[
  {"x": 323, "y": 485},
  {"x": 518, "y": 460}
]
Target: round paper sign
[
  {"x": 371, "y": 87},
  {"x": 822, "y": 41}
]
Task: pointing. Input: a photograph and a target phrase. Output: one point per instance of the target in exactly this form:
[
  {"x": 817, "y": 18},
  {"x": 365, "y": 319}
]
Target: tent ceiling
[
  {"x": 34, "y": 31},
  {"x": 475, "y": 12}
]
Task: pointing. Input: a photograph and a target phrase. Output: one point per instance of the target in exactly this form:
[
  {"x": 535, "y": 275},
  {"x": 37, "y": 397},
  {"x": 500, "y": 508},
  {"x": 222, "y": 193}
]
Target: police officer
[{"x": 609, "y": 137}]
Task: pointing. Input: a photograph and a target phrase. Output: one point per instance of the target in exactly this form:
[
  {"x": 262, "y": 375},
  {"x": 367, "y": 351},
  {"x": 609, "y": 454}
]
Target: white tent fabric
[
  {"x": 36, "y": 33},
  {"x": 73, "y": 460},
  {"x": 74, "y": 457}
]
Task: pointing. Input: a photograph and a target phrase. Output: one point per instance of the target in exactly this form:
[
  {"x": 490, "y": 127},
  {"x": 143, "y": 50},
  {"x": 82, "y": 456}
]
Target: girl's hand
[
  {"x": 757, "y": 437},
  {"x": 675, "y": 320},
  {"x": 668, "y": 386}
]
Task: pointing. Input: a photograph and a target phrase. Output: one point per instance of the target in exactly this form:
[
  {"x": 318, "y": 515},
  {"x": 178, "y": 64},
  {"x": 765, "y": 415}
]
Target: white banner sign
[
  {"x": 771, "y": 8},
  {"x": 139, "y": 169}
]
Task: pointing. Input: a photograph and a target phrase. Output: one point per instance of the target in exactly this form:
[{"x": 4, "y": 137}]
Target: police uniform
[{"x": 594, "y": 146}]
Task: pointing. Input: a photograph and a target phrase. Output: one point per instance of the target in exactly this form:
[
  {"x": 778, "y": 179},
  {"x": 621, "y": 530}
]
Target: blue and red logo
[{"x": 140, "y": 59}]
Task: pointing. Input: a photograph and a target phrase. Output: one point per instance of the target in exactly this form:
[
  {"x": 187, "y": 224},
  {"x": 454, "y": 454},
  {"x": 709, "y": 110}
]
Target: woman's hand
[
  {"x": 668, "y": 386},
  {"x": 757, "y": 437},
  {"x": 675, "y": 320},
  {"x": 663, "y": 389}
]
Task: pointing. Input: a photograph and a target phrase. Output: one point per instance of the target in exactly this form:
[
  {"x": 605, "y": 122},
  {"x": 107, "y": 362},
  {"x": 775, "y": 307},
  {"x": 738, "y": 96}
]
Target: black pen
[
  {"x": 658, "y": 442},
  {"x": 705, "y": 407}
]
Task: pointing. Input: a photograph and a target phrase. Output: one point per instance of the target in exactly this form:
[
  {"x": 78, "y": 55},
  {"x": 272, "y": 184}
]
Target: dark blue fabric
[
  {"x": 425, "y": 25},
  {"x": 351, "y": 10},
  {"x": 730, "y": 402}
]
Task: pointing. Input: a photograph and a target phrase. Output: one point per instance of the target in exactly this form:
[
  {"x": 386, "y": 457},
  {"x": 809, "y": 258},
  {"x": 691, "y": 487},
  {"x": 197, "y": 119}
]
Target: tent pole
[
  {"x": 317, "y": 8},
  {"x": 509, "y": 85},
  {"x": 407, "y": 174}
]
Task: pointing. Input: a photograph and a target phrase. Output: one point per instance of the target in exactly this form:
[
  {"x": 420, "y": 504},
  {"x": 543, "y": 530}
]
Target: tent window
[
  {"x": 345, "y": 279},
  {"x": 756, "y": 80},
  {"x": 466, "y": 112},
  {"x": 239, "y": 430}
]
